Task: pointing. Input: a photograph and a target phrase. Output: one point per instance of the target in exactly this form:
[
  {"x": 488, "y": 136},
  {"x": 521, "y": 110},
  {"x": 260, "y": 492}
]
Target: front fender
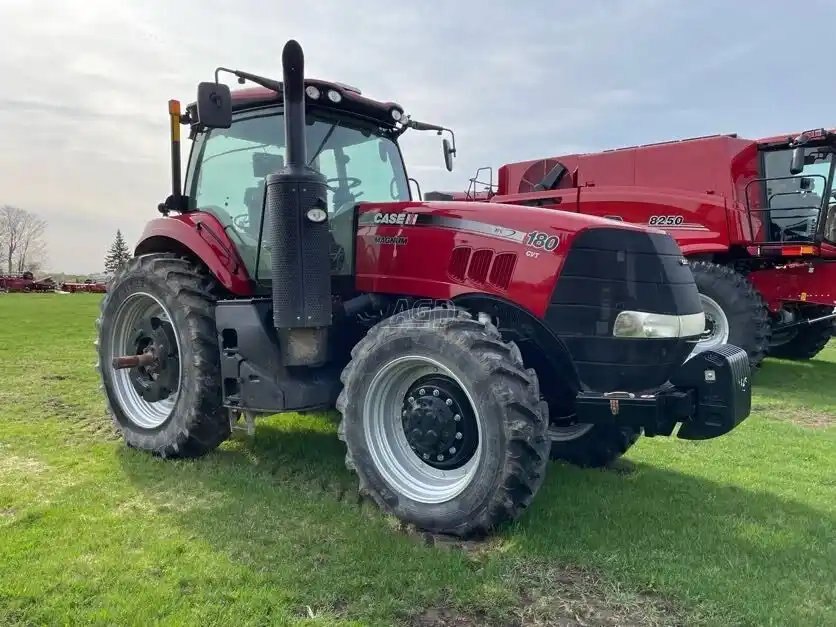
[{"x": 202, "y": 236}]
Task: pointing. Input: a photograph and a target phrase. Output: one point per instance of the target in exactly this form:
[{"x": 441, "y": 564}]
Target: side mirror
[
  {"x": 214, "y": 105},
  {"x": 797, "y": 163},
  {"x": 449, "y": 152},
  {"x": 805, "y": 183}
]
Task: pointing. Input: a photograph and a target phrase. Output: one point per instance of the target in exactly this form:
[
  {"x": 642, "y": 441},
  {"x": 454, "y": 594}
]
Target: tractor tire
[
  {"x": 165, "y": 302},
  {"x": 808, "y": 341},
  {"x": 591, "y": 446},
  {"x": 397, "y": 427},
  {"x": 735, "y": 312}
]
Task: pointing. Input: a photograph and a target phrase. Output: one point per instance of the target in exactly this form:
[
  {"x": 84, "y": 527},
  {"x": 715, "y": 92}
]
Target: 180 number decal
[
  {"x": 538, "y": 239},
  {"x": 665, "y": 220}
]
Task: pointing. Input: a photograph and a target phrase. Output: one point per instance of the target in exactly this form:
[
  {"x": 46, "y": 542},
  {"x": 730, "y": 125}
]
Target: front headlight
[{"x": 654, "y": 325}]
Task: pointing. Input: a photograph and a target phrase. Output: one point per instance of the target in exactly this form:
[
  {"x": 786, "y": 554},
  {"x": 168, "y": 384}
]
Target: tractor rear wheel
[
  {"x": 591, "y": 446},
  {"x": 807, "y": 342},
  {"x": 443, "y": 425},
  {"x": 161, "y": 306},
  {"x": 735, "y": 313}
]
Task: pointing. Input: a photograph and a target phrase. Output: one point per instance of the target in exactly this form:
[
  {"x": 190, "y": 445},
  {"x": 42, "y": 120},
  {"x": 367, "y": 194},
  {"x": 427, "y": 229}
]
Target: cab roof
[{"x": 350, "y": 101}]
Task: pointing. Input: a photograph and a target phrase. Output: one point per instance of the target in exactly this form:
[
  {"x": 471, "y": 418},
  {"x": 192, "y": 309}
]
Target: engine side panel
[{"x": 442, "y": 250}]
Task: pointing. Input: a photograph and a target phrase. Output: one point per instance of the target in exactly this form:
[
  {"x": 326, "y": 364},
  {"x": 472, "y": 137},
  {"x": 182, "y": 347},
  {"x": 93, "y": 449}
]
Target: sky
[{"x": 84, "y": 129}]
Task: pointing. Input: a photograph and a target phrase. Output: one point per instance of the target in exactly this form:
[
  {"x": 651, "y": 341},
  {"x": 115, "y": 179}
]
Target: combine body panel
[{"x": 728, "y": 202}]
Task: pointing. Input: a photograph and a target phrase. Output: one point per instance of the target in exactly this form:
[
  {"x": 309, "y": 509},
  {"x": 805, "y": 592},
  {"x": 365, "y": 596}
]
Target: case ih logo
[{"x": 395, "y": 218}]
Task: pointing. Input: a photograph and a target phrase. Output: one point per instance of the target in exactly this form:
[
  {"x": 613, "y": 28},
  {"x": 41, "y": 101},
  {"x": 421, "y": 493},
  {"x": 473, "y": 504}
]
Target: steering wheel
[
  {"x": 241, "y": 221},
  {"x": 349, "y": 182}
]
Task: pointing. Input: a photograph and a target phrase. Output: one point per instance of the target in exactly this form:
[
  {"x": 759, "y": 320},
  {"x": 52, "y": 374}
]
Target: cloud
[{"x": 83, "y": 126}]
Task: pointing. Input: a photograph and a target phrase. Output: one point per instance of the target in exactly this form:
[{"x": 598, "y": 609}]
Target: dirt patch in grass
[
  {"x": 571, "y": 596},
  {"x": 568, "y": 596},
  {"x": 16, "y": 465},
  {"x": 445, "y": 617},
  {"x": 802, "y": 416}
]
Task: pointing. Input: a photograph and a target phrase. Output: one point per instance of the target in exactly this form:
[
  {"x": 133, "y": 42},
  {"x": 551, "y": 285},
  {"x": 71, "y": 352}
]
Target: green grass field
[{"x": 268, "y": 530}]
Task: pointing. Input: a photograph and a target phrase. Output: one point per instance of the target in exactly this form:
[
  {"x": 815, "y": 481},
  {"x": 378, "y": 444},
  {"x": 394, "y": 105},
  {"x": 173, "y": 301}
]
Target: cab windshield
[
  {"x": 228, "y": 169},
  {"x": 799, "y": 205}
]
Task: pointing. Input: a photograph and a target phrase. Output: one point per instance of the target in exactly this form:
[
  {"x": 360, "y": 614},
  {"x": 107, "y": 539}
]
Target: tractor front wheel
[
  {"x": 159, "y": 311},
  {"x": 443, "y": 425},
  {"x": 589, "y": 445}
]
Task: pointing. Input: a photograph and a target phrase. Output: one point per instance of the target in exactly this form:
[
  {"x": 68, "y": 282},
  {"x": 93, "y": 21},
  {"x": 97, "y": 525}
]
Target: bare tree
[{"x": 21, "y": 238}]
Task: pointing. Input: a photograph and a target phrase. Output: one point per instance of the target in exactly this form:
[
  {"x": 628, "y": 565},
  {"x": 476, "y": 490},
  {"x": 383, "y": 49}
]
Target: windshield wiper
[{"x": 324, "y": 141}]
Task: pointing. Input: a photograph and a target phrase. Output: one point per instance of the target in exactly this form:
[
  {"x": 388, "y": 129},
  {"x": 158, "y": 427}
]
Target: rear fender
[{"x": 201, "y": 236}]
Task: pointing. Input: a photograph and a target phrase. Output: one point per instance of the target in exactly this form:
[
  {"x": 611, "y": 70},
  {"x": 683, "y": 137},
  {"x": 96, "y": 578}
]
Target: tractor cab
[
  {"x": 794, "y": 195},
  {"x": 351, "y": 140}
]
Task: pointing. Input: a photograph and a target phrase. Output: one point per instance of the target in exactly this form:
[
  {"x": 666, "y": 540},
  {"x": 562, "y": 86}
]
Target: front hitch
[{"x": 709, "y": 395}]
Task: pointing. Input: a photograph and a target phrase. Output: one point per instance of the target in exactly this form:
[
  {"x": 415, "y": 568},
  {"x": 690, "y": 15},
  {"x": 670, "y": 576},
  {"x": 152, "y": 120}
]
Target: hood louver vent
[
  {"x": 502, "y": 269},
  {"x": 479, "y": 265},
  {"x": 458, "y": 262}
]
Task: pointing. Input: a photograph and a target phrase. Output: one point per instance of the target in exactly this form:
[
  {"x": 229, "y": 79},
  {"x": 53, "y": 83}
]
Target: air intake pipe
[{"x": 296, "y": 207}]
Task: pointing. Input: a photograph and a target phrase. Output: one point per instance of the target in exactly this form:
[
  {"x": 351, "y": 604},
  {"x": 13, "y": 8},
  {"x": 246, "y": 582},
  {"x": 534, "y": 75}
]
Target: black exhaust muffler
[{"x": 296, "y": 207}]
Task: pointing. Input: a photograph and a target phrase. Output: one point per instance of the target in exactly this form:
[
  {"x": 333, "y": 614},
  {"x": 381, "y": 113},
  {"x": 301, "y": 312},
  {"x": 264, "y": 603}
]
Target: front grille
[{"x": 610, "y": 270}]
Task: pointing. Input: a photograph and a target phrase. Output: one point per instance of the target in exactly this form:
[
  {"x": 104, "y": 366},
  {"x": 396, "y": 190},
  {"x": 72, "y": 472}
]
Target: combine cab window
[
  {"x": 228, "y": 169},
  {"x": 796, "y": 203}
]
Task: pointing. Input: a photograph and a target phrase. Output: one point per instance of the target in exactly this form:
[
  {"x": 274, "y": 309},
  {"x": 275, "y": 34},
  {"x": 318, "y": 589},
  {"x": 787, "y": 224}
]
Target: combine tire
[
  {"x": 442, "y": 423},
  {"x": 808, "y": 341},
  {"x": 163, "y": 304},
  {"x": 735, "y": 313},
  {"x": 591, "y": 446}
]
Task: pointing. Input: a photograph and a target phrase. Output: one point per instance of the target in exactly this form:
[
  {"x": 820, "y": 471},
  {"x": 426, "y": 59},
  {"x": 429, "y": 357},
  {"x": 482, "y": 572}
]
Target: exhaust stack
[{"x": 296, "y": 211}]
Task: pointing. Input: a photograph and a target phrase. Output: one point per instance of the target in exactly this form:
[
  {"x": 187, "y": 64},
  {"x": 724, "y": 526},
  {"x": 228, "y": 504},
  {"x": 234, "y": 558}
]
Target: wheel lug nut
[
  {"x": 435, "y": 392},
  {"x": 426, "y": 456},
  {"x": 449, "y": 402},
  {"x": 452, "y": 450},
  {"x": 422, "y": 391},
  {"x": 457, "y": 417},
  {"x": 458, "y": 436},
  {"x": 410, "y": 400},
  {"x": 440, "y": 458}
]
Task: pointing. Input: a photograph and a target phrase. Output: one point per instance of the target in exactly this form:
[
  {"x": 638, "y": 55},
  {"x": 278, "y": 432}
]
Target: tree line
[
  {"x": 21, "y": 240},
  {"x": 23, "y": 248}
]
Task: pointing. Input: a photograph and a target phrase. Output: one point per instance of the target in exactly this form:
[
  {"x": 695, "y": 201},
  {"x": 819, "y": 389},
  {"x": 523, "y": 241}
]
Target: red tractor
[
  {"x": 756, "y": 220},
  {"x": 460, "y": 342}
]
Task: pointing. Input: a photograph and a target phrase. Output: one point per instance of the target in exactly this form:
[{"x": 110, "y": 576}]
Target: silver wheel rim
[
  {"x": 387, "y": 444},
  {"x": 143, "y": 414},
  {"x": 716, "y": 323},
  {"x": 569, "y": 432}
]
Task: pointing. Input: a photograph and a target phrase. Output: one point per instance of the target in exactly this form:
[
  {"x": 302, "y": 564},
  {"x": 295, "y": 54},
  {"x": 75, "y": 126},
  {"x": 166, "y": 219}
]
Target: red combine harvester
[
  {"x": 88, "y": 285},
  {"x": 755, "y": 218},
  {"x": 298, "y": 273},
  {"x": 25, "y": 282}
]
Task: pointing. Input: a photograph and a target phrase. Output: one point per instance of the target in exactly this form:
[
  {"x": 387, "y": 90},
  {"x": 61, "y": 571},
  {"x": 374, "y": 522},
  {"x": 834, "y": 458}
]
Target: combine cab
[
  {"x": 755, "y": 219},
  {"x": 462, "y": 343}
]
